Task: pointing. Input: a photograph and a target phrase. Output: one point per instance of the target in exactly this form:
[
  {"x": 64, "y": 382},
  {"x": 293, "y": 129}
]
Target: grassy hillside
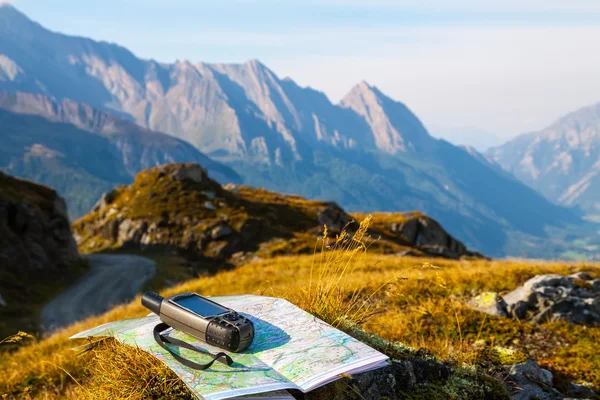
[
  {"x": 180, "y": 207},
  {"x": 409, "y": 300}
]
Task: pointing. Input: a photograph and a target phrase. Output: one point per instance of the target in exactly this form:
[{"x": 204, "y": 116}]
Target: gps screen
[{"x": 200, "y": 306}]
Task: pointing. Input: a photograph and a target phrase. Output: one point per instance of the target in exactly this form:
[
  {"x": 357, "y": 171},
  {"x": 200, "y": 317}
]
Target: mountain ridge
[
  {"x": 368, "y": 153},
  {"x": 561, "y": 160},
  {"x": 48, "y": 141}
]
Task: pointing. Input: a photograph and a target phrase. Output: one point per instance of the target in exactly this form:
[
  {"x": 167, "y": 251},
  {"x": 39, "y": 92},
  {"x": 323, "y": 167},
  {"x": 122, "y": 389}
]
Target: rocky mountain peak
[{"x": 394, "y": 127}]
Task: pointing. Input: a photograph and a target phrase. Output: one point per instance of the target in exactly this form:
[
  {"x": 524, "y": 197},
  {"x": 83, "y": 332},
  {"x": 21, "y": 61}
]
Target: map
[{"x": 291, "y": 349}]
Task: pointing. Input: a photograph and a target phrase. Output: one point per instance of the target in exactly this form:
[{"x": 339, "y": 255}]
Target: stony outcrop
[
  {"x": 574, "y": 299},
  {"x": 35, "y": 235},
  {"x": 418, "y": 231},
  {"x": 36, "y": 244},
  {"x": 334, "y": 217},
  {"x": 179, "y": 206},
  {"x": 527, "y": 380}
]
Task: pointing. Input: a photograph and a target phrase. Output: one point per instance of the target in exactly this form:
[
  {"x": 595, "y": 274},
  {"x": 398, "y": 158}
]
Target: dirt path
[{"x": 111, "y": 280}]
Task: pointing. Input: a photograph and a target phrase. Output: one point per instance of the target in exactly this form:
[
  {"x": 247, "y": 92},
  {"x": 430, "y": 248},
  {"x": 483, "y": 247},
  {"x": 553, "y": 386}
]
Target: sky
[{"x": 506, "y": 67}]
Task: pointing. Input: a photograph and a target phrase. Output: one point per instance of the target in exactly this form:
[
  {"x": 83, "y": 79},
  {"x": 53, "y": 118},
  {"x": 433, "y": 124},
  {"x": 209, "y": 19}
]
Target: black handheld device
[{"x": 202, "y": 318}]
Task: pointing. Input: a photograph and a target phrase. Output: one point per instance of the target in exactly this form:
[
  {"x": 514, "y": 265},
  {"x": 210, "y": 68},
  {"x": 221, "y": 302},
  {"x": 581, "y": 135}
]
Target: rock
[
  {"x": 582, "y": 275},
  {"x": 490, "y": 303},
  {"x": 595, "y": 303},
  {"x": 580, "y": 391},
  {"x": 527, "y": 381},
  {"x": 595, "y": 285},
  {"x": 220, "y": 231},
  {"x": 518, "y": 310},
  {"x": 429, "y": 236},
  {"x": 556, "y": 298},
  {"x": 208, "y": 205},
  {"x": 192, "y": 172},
  {"x": 547, "y": 375},
  {"x": 131, "y": 232},
  {"x": 36, "y": 243},
  {"x": 334, "y": 217},
  {"x": 110, "y": 230},
  {"x": 523, "y": 292},
  {"x": 105, "y": 200}
]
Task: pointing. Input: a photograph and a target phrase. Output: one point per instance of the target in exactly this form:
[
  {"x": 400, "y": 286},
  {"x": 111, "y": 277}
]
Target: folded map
[{"x": 292, "y": 349}]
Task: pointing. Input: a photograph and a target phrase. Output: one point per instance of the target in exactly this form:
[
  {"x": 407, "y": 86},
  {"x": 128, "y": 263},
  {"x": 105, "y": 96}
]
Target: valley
[
  {"x": 405, "y": 281},
  {"x": 475, "y": 269},
  {"x": 367, "y": 153}
]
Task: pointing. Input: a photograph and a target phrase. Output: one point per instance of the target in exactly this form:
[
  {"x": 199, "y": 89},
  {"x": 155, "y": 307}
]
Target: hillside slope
[
  {"x": 83, "y": 152},
  {"x": 178, "y": 206},
  {"x": 561, "y": 161}
]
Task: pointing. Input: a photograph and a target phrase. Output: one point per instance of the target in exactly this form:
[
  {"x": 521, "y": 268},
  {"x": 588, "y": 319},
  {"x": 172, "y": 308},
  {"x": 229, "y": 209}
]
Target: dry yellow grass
[{"x": 402, "y": 299}]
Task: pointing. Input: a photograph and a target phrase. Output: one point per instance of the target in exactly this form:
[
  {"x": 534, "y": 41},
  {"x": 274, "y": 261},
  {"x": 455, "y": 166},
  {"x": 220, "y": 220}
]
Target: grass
[{"x": 409, "y": 300}]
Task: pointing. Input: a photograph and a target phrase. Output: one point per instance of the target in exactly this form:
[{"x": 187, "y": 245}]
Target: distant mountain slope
[
  {"x": 562, "y": 161},
  {"x": 81, "y": 151},
  {"x": 367, "y": 153}
]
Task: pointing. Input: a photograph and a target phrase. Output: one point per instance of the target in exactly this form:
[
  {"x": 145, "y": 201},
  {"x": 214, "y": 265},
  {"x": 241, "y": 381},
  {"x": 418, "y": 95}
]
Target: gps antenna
[{"x": 152, "y": 302}]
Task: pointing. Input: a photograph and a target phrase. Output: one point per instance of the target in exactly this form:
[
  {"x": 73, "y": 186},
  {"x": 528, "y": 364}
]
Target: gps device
[{"x": 202, "y": 318}]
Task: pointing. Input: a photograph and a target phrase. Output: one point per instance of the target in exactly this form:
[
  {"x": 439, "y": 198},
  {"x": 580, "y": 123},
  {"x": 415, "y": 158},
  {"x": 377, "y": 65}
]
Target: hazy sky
[{"x": 505, "y": 66}]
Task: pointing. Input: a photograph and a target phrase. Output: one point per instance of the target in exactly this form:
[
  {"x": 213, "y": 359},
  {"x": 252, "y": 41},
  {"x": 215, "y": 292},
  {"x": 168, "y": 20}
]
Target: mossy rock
[{"x": 498, "y": 355}]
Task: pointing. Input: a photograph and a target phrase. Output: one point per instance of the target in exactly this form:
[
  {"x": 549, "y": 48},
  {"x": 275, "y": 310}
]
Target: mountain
[
  {"x": 561, "y": 161},
  {"x": 194, "y": 215},
  {"x": 369, "y": 152},
  {"x": 81, "y": 151},
  {"x": 478, "y": 138}
]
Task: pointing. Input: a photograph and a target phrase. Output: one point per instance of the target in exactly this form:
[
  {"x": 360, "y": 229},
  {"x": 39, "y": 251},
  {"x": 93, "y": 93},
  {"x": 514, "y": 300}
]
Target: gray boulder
[
  {"x": 527, "y": 381},
  {"x": 556, "y": 298},
  {"x": 334, "y": 217},
  {"x": 131, "y": 232},
  {"x": 192, "y": 172},
  {"x": 3, "y": 302}
]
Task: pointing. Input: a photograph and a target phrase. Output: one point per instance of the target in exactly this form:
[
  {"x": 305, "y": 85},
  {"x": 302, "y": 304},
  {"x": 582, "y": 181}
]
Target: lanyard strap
[{"x": 163, "y": 340}]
